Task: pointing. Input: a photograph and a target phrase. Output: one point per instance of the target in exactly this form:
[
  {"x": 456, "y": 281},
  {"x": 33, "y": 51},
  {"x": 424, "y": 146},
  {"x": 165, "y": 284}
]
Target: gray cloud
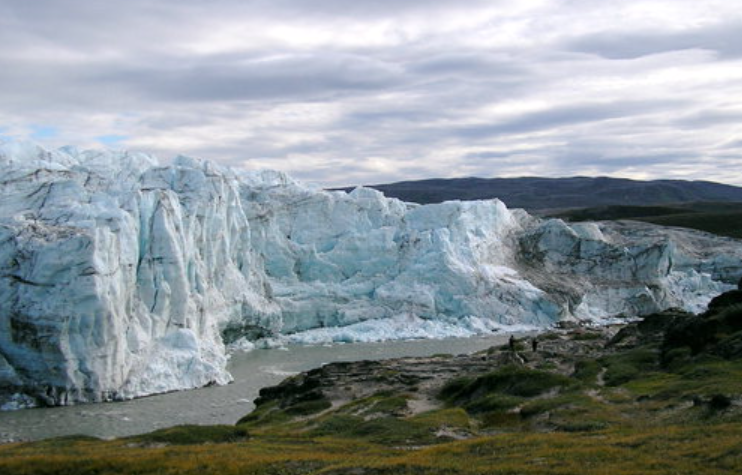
[
  {"x": 343, "y": 92},
  {"x": 563, "y": 116},
  {"x": 709, "y": 118},
  {"x": 376, "y": 8},
  {"x": 468, "y": 64},
  {"x": 289, "y": 77},
  {"x": 724, "y": 39}
]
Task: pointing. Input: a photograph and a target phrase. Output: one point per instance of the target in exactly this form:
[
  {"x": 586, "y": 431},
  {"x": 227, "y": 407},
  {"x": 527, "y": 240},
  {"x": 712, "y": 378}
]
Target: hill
[{"x": 534, "y": 193}]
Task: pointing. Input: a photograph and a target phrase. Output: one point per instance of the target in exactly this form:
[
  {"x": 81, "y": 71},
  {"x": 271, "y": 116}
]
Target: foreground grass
[{"x": 701, "y": 449}]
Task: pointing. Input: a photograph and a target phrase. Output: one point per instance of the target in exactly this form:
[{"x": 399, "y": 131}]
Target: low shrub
[
  {"x": 620, "y": 373},
  {"x": 493, "y": 402},
  {"x": 625, "y": 366},
  {"x": 587, "y": 371},
  {"x": 193, "y": 434},
  {"x": 582, "y": 426},
  {"x": 522, "y": 382},
  {"x": 308, "y": 407},
  {"x": 455, "y": 387},
  {"x": 383, "y": 430},
  {"x": 587, "y": 336},
  {"x": 336, "y": 425},
  {"x": 501, "y": 420}
]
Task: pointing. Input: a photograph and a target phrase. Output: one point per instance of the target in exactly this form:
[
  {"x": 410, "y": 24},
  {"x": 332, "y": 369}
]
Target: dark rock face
[
  {"x": 300, "y": 388},
  {"x": 733, "y": 297},
  {"x": 650, "y": 329},
  {"x": 718, "y": 331}
]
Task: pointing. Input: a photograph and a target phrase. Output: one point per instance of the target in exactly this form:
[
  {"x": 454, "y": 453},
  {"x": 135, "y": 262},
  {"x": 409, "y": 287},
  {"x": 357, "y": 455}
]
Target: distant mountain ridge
[{"x": 535, "y": 193}]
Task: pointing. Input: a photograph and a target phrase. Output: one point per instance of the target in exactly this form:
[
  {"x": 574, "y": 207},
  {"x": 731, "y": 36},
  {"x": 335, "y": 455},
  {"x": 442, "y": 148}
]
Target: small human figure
[
  {"x": 534, "y": 344},
  {"x": 511, "y": 342}
]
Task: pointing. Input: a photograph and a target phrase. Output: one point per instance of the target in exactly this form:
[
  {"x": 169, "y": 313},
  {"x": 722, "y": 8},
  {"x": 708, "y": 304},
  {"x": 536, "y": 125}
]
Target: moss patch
[{"x": 193, "y": 434}]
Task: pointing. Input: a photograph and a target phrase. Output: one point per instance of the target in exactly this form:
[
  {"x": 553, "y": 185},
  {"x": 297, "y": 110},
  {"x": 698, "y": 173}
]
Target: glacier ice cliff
[{"x": 120, "y": 277}]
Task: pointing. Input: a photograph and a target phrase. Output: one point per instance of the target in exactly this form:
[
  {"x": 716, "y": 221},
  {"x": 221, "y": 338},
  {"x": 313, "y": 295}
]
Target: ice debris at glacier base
[{"x": 121, "y": 277}]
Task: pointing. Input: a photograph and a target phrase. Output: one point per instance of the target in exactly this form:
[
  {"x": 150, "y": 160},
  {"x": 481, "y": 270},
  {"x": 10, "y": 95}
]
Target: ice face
[{"x": 121, "y": 277}]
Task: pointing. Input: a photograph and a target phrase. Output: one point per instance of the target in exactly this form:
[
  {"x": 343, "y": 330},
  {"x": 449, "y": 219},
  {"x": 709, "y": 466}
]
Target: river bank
[{"x": 251, "y": 370}]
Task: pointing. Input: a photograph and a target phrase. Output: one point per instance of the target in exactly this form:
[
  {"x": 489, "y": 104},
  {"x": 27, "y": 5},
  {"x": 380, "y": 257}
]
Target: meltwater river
[{"x": 216, "y": 404}]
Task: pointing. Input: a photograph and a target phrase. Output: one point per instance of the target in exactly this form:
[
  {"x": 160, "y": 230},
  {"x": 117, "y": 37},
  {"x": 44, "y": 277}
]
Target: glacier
[{"x": 122, "y": 277}]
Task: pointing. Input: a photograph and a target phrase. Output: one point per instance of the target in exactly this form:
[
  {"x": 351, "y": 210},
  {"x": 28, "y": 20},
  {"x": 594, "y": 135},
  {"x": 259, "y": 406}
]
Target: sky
[{"x": 338, "y": 92}]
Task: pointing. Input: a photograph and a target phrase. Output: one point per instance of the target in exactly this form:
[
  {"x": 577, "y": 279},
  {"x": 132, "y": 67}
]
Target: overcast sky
[{"x": 341, "y": 92}]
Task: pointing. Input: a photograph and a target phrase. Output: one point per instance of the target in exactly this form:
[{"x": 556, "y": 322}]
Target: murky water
[{"x": 218, "y": 404}]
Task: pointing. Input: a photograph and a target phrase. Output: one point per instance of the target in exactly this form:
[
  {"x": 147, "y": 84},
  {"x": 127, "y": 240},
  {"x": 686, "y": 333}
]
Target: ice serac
[
  {"x": 121, "y": 277},
  {"x": 118, "y": 276}
]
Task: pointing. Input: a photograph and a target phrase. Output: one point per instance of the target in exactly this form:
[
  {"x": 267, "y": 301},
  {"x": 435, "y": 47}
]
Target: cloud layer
[{"x": 342, "y": 93}]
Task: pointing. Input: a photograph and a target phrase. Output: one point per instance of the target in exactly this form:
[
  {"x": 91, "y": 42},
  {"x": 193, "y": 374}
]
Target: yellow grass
[{"x": 697, "y": 449}]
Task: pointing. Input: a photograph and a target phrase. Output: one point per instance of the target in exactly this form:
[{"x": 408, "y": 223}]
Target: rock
[
  {"x": 717, "y": 331},
  {"x": 727, "y": 299},
  {"x": 719, "y": 402}
]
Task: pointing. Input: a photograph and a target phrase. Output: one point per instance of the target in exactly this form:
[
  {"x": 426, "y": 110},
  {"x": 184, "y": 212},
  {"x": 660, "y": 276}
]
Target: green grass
[
  {"x": 383, "y": 402},
  {"x": 709, "y": 449},
  {"x": 193, "y": 434},
  {"x": 306, "y": 408},
  {"x": 380, "y": 430},
  {"x": 587, "y": 370},
  {"x": 266, "y": 414},
  {"x": 709, "y": 378},
  {"x": 510, "y": 380},
  {"x": 724, "y": 219},
  {"x": 450, "y": 417},
  {"x": 493, "y": 402},
  {"x": 540, "y": 406},
  {"x": 628, "y": 365},
  {"x": 587, "y": 336}
]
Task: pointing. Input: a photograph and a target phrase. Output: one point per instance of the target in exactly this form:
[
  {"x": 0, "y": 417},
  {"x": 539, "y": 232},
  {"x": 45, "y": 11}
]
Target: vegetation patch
[
  {"x": 306, "y": 408},
  {"x": 587, "y": 370},
  {"x": 383, "y": 402},
  {"x": 381, "y": 430},
  {"x": 451, "y": 417},
  {"x": 627, "y": 365},
  {"x": 587, "y": 336},
  {"x": 540, "y": 406},
  {"x": 510, "y": 380},
  {"x": 193, "y": 434},
  {"x": 493, "y": 402},
  {"x": 266, "y": 414}
]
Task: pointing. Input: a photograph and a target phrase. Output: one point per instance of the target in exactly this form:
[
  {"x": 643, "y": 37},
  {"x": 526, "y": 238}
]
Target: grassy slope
[
  {"x": 724, "y": 219},
  {"x": 637, "y": 406},
  {"x": 723, "y": 224}
]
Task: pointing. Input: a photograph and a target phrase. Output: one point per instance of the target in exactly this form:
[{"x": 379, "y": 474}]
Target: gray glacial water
[{"x": 216, "y": 404}]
